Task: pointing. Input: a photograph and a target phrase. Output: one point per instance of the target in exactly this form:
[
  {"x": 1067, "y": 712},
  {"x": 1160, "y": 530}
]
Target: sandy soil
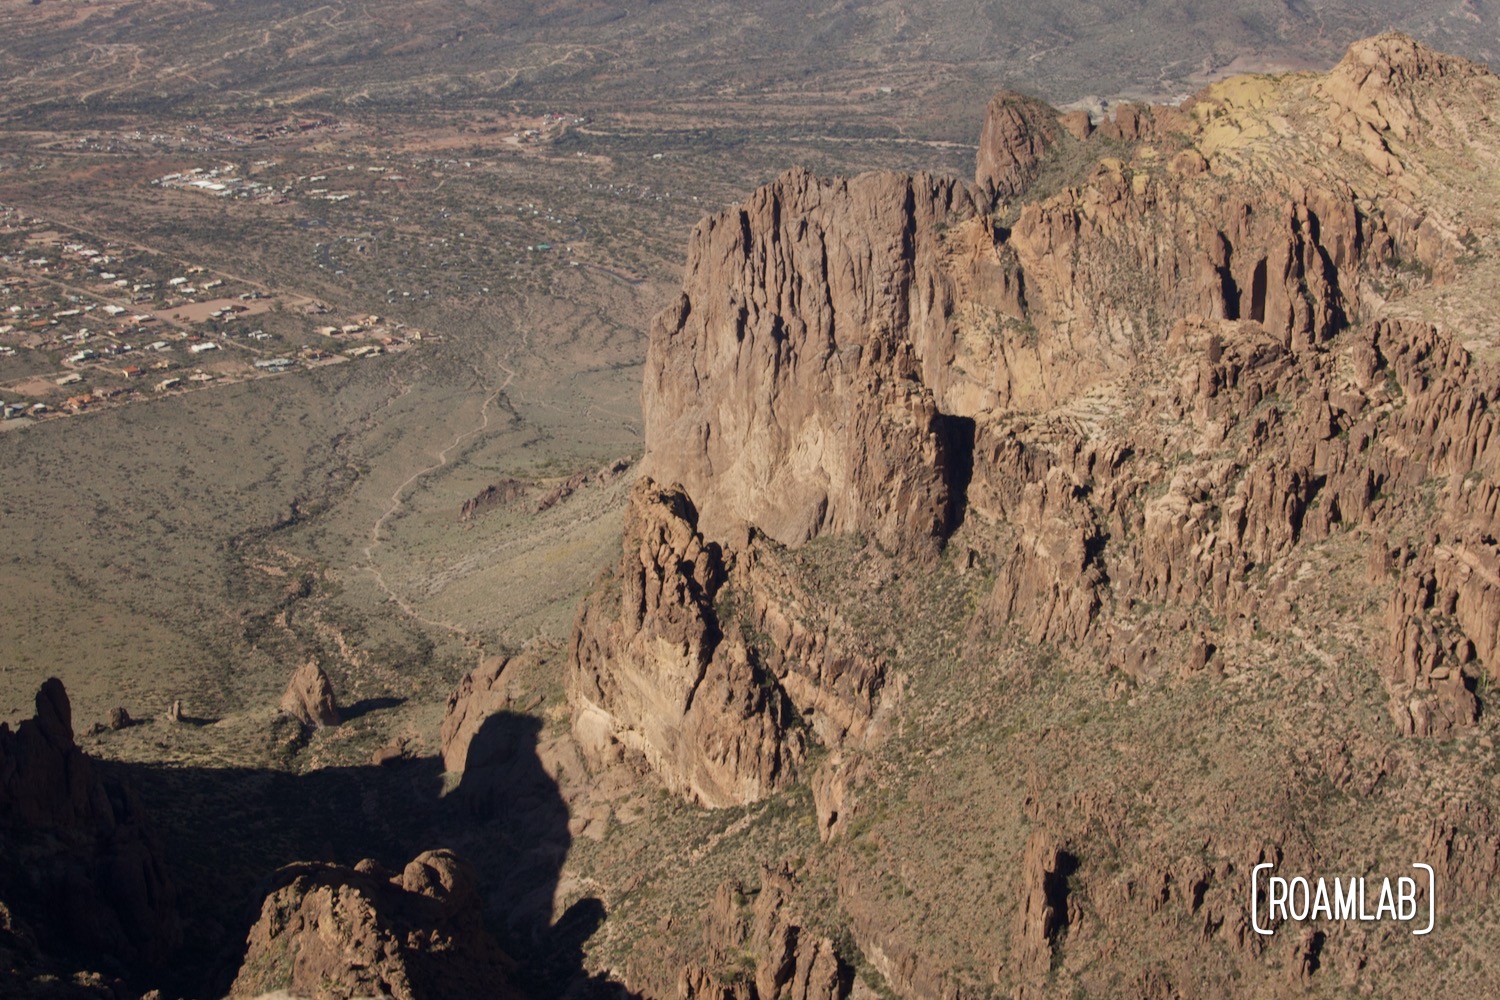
[{"x": 197, "y": 312}]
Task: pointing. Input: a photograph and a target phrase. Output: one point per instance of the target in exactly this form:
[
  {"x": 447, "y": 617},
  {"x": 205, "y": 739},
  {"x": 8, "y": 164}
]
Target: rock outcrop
[
  {"x": 1044, "y": 912},
  {"x": 500, "y": 494},
  {"x": 1018, "y": 132},
  {"x": 601, "y": 477},
  {"x": 713, "y": 664},
  {"x": 82, "y": 867},
  {"x": 309, "y": 697},
  {"x": 480, "y": 694},
  {"x": 330, "y": 931},
  {"x": 654, "y": 673},
  {"x": 755, "y": 946},
  {"x": 783, "y": 389}
]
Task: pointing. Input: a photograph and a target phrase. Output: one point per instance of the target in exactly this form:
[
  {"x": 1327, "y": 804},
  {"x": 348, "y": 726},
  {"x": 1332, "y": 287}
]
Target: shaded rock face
[
  {"x": 510, "y": 805},
  {"x": 309, "y": 697},
  {"x": 480, "y": 694},
  {"x": 329, "y": 931},
  {"x": 81, "y": 865}
]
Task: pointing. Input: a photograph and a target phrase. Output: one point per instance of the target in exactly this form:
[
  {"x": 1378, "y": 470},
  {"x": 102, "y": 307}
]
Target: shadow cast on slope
[
  {"x": 514, "y": 813},
  {"x": 368, "y": 705},
  {"x": 228, "y": 830}
]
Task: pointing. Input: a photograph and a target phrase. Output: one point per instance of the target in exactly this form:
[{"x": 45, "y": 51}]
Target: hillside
[
  {"x": 1081, "y": 538},
  {"x": 681, "y": 60}
]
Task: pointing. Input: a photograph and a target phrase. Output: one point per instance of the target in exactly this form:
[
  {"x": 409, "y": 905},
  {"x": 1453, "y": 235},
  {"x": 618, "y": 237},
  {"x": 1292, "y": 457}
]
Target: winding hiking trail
[{"x": 398, "y": 500}]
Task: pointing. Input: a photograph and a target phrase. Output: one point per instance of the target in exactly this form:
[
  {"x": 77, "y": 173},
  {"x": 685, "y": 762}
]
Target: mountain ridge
[{"x": 1126, "y": 390}]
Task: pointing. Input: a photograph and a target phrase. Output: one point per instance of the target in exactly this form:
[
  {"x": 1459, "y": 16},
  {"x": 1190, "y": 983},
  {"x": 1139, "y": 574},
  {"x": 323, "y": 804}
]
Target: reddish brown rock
[
  {"x": 1180, "y": 420},
  {"x": 500, "y": 494},
  {"x": 1391, "y": 84},
  {"x": 1198, "y": 653},
  {"x": 784, "y": 388},
  {"x": 755, "y": 947},
  {"x": 1193, "y": 444},
  {"x": 392, "y": 753},
  {"x": 1045, "y": 910},
  {"x": 1126, "y": 122},
  {"x": 834, "y": 680},
  {"x": 835, "y": 794},
  {"x": 578, "y": 481},
  {"x": 1078, "y": 124},
  {"x": 309, "y": 697},
  {"x": 875, "y": 357},
  {"x": 480, "y": 694},
  {"x": 652, "y": 671},
  {"x": 1018, "y": 131},
  {"x": 1051, "y": 579},
  {"x": 329, "y": 931},
  {"x": 1428, "y": 694}
]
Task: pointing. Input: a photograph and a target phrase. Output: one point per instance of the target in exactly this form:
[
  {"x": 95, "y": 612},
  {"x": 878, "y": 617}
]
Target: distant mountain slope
[{"x": 139, "y": 54}]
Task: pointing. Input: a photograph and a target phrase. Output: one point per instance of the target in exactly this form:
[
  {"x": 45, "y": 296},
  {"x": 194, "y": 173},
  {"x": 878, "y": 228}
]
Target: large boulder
[{"x": 309, "y": 697}]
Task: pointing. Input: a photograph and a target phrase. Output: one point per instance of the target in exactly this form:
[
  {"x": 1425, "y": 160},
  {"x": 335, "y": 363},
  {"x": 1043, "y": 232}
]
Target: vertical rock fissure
[
  {"x": 1055, "y": 889},
  {"x": 956, "y": 454},
  {"x": 1258, "y": 292},
  {"x": 1229, "y": 293}
]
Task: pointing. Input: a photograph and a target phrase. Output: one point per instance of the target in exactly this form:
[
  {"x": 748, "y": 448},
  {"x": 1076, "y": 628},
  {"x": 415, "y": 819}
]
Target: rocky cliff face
[
  {"x": 83, "y": 870},
  {"x": 716, "y": 686},
  {"x": 885, "y": 356},
  {"x": 1191, "y": 406},
  {"x": 654, "y": 672},
  {"x": 754, "y": 947},
  {"x": 787, "y": 376}
]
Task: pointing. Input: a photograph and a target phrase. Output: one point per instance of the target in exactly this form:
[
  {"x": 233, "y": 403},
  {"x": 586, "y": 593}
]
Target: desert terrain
[{"x": 704, "y": 617}]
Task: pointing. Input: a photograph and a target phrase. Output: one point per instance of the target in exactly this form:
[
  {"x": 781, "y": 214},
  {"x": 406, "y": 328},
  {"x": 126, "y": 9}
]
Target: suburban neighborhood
[{"x": 86, "y": 324}]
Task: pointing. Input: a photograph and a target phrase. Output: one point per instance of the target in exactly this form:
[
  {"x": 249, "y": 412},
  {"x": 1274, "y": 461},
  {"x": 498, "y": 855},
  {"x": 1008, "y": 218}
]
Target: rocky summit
[
  {"x": 367, "y": 932},
  {"x": 1084, "y": 536}
]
